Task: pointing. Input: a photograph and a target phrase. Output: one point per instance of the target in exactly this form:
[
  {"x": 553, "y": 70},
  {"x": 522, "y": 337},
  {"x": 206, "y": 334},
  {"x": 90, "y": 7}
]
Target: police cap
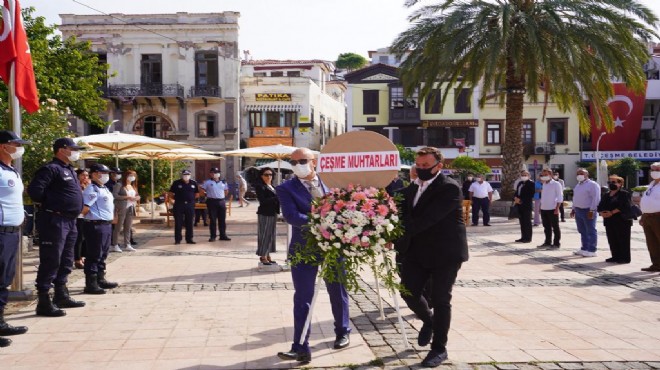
[
  {"x": 11, "y": 137},
  {"x": 98, "y": 167},
  {"x": 185, "y": 172},
  {"x": 66, "y": 142},
  {"x": 115, "y": 170},
  {"x": 214, "y": 170}
]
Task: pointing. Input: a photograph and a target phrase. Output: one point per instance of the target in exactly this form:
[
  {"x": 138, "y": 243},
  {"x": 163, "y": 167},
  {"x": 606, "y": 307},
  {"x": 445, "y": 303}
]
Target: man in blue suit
[{"x": 295, "y": 199}]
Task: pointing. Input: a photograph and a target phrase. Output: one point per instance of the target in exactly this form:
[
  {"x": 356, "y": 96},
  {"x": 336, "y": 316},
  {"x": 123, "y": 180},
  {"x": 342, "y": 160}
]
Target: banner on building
[
  {"x": 640, "y": 155},
  {"x": 627, "y": 110}
]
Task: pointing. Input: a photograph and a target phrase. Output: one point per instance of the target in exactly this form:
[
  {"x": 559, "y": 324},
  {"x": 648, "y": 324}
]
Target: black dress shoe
[
  {"x": 611, "y": 260},
  {"x": 544, "y": 245},
  {"x": 303, "y": 357},
  {"x": 434, "y": 358},
  {"x": 475, "y": 224},
  {"x": 177, "y": 243},
  {"x": 342, "y": 341},
  {"x": 224, "y": 238},
  {"x": 133, "y": 242},
  {"x": 7, "y": 330},
  {"x": 212, "y": 239},
  {"x": 486, "y": 224},
  {"x": 190, "y": 242},
  {"x": 5, "y": 342},
  {"x": 520, "y": 240},
  {"x": 425, "y": 334}
]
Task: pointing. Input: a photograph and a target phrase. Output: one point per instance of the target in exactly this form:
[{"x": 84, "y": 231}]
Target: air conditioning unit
[{"x": 541, "y": 149}]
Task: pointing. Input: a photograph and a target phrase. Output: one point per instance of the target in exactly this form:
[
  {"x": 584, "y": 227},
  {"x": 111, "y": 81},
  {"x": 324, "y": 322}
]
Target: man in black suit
[
  {"x": 433, "y": 247},
  {"x": 524, "y": 199}
]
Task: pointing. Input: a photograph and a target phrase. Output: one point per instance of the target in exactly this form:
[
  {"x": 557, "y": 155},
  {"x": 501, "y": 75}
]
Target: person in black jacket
[
  {"x": 613, "y": 206},
  {"x": 524, "y": 199},
  {"x": 269, "y": 208}
]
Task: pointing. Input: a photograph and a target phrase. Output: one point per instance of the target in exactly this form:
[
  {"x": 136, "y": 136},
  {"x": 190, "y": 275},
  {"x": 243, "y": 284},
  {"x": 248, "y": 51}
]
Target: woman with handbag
[
  {"x": 615, "y": 207},
  {"x": 126, "y": 197},
  {"x": 269, "y": 208},
  {"x": 523, "y": 201}
]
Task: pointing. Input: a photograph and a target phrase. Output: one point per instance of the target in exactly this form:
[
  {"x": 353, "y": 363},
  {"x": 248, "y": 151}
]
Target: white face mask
[
  {"x": 469, "y": 178},
  {"x": 104, "y": 178},
  {"x": 655, "y": 175},
  {"x": 302, "y": 170},
  {"x": 185, "y": 177},
  {"x": 117, "y": 177},
  {"x": 524, "y": 178},
  {"x": 555, "y": 177},
  {"x": 580, "y": 178},
  {"x": 545, "y": 178},
  {"x": 131, "y": 178},
  {"x": 18, "y": 153},
  {"x": 216, "y": 176},
  {"x": 74, "y": 156}
]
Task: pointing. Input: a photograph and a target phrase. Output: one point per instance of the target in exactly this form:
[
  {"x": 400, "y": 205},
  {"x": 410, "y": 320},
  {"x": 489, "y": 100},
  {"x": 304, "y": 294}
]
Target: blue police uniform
[
  {"x": 184, "y": 208},
  {"x": 217, "y": 208},
  {"x": 97, "y": 226},
  {"x": 11, "y": 218}
]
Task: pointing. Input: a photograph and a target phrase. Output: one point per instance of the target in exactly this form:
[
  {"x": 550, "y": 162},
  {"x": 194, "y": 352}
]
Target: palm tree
[{"x": 569, "y": 49}]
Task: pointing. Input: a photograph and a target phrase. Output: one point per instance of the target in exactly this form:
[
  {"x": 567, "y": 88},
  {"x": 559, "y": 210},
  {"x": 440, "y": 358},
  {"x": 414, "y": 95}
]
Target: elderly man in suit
[
  {"x": 296, "y": 196},
  {"x": 434, "y": 246}
]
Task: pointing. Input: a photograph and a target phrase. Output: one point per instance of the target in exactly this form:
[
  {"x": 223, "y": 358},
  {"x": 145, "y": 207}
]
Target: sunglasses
[
  {"x": 268, "y": 174},
  {"x": 294, "y": 162}
]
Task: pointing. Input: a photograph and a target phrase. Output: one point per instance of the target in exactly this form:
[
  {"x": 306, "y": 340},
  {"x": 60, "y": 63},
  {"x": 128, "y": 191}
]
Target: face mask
[
  {"x": 480, "y": 180},
  {"x": 104, "y": 178},
  {"x": 18, "y": 153},
  {"x": 425, "y": 174},
  {"x": 655, "y": 175},
  {"x": 545, "y": 178},
  {"x": 185, "y": 177},
  {"x": 303, "y": 170},
  {"x": 131, "y": 178},
  {"x": 117, "y": 177},
  {"x": 470, "y": 178},
  {"x": 216, "y": 176},
  {"x": 613, "y": 186},
  {"x": 524, "y": 178},
  {"x": 555, "y": 177},
  {"x": 580, "y": 178},
  {"x": 74, "y": 156}
]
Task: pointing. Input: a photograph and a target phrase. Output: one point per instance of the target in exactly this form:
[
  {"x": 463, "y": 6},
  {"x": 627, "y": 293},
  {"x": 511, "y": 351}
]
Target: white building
[
  {"x": 291, "y": 102},
  {"x": 172, "y": 76}
]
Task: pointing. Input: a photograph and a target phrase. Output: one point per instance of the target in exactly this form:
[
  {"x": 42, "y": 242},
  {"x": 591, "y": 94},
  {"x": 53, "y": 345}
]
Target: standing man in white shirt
[
  {"x": 551, "y": 198},
  {"x": 481, "y": 194},
  {"x": 650, "y": 221},
  {"x": 586, "y": 196},
  {"x": 563, "y": 187}
]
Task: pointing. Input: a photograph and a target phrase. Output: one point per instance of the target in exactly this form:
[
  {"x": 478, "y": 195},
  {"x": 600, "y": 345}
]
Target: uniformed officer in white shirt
[{"x": 650, "y": 221}]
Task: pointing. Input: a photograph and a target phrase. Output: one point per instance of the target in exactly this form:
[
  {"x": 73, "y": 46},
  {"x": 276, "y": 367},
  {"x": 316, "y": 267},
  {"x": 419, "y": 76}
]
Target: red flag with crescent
[{"x": 627, "y": 110}]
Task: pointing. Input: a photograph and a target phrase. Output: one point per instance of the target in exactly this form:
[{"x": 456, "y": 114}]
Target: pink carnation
[
  {"x": 326, "y": 234},
  {"x": 383, "y": 210},
  {"x": 359, "y": 196}
]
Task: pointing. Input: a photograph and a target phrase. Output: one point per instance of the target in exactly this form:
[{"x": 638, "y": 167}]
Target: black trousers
[
  {"x": 561, "y": 211},
  {"x": 97, "y": 237},
  {"x": 79, "y": 248},
  {"x": 57, "y": 237},
  {"x": 618, "y": 237},
  {"x": 9, "y": 246},
  {"x": 414, "y": 277},
  {"x": 183, "y": 216},
  {"x": 525, "y": 219},
  {"x": 550, "y": 225},
  {"x": 217, "y": 217}
]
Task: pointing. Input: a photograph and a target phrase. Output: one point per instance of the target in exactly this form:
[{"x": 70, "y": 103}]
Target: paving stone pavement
[{"x": 206, "y": 306}]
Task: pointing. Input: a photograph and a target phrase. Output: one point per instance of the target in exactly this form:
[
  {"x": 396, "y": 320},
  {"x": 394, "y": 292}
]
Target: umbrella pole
[
  {"x": 152, "y": 189},
  {"x": 172, "y": 171},
  {"x": 279, "y": 171}
]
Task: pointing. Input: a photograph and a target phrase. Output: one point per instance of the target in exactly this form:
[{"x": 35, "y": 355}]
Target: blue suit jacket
[{"x": 296, "y": 203}]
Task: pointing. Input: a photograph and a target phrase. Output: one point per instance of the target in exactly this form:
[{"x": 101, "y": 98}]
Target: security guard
[
  {"x": 55, "y": 186},
  {"x": 99, "y": 210},
  {"x": 184, "y": 192},
  {"x": 216, "y": 191},
  {"x": 11, "y": 218}
]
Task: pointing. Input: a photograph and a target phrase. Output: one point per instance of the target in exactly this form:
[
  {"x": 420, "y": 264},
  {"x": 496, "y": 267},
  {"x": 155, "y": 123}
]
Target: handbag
[
  {"x": 633, "y": 213},
  {"x": 513, "y": 212},
  {"x": 496, "y": 195}
]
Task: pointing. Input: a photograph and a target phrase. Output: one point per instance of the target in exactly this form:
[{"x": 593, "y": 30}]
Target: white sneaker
[
  {"x": 128, "y": 248},
  {"x": 115, "y": 248},
  {"x": 578, "y": 252},
  {"x": 588, "y": 254}
]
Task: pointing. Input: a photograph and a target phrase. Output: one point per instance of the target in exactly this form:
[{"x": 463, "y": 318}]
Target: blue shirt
[
  {"x": 214, "y": 189},
  {"x": 538, "y": 185},
  {"x": 55, "y": 185},
  {"x": 11, "y": 197},
  {"x": 100, "y": 202}
]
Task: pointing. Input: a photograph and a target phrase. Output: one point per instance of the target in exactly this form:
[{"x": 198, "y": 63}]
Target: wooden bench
[{"x": 169, "y": 213}]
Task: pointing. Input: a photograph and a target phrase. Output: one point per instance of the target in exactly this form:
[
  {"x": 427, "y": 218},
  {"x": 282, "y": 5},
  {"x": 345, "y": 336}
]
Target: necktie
[
  {"x": 313, "y": 189},
  {"x": 420, "y": 190}
]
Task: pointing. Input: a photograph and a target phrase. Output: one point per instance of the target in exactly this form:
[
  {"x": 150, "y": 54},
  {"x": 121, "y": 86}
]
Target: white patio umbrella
[
  {"x": 277, "y": 152},
  {"x": 274, "y": 164}
]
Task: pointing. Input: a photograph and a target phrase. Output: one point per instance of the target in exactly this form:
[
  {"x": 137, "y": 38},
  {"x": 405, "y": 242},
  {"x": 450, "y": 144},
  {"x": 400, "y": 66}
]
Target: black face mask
[
  {"x": 425, "y": 174},
  {"x": 613, "y": 186}
]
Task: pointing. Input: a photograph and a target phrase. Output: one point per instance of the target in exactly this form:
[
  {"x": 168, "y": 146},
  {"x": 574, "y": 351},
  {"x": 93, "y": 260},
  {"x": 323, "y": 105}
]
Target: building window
[
  {"x": 272, "y": 119},
  {"x": 399, "y": 101},
  {"x": 151, "y": 70},
  {"x": 370, "y": 102},
  {"x": 207, "y": 125},
  {"x": 290, "y": 119},
  {"x": 206, "y": 68},
  {"x": 410, "y": 136},
  {"x": 557, "y": 131},
  {"x": 276, "y": 74},
  {"x": 528, "y": 132},
  {"x": 493, "y": 133},
  {"x": 432, "y": 104},
  {"x": 443, "y": 137},
  {"x": 259, "y": 74},
  {"x": 293, "y": 73},
  {"x": 152, "y": 126},
  {"x": 255, "y": 119},
  {"x": 383, "y": 59},
  {"x": 462, "y": 101}
]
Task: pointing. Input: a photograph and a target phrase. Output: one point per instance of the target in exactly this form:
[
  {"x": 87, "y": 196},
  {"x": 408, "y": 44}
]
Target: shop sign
[{"x": 273, "y": 97}]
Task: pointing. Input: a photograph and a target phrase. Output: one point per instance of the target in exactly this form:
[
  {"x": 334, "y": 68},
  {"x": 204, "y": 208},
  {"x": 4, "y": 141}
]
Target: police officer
[
  {"x": 216, "y": 190},
  {"x": 184, "y": 192},
  {"x": 98, "y": 210},
  {"x": 55, "y": 186},
  {"x": 11, "y": 218}
]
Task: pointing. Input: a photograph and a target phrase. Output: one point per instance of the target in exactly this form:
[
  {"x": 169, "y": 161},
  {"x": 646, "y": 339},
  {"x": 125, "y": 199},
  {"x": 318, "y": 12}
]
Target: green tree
[
  {"x": 406, "y": 154},
  {"x": 350, "y": 61},
  {"x": 626, "y": 168},
  {"x": 516, "y": 48},
  {"x": 465, "y": 165}
]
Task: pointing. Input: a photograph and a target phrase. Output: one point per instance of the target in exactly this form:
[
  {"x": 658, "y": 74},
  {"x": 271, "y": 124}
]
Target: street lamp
[
  {"x": 107, "y": 130},
  {"x": 598, "y": 157}
]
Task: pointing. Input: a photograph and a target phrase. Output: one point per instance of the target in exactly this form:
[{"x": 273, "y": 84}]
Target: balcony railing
[
  {"x": 205, "y": 91},
  {"x": 151, "y": 90}
]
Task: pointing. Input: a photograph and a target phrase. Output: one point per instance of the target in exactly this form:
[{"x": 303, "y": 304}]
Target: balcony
[
  {"x": 405, "y": 116},
  {"x": 151, "y": 90},
  {"x": 205, "y": 92}
]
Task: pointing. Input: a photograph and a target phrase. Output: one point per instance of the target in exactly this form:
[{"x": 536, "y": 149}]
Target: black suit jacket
[
  {"x": 434, "y": 228},
  {"x": 526, "y": 193},
  {"x": 269, "y": 204}
]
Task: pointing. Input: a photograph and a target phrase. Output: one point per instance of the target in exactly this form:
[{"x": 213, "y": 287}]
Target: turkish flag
[
  {"x": 627, "y": 110},
  {"x": 14, "y": 48}
]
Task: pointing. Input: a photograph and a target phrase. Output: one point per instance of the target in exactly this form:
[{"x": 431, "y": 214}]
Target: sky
[{"x": 282, "y": 29}]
